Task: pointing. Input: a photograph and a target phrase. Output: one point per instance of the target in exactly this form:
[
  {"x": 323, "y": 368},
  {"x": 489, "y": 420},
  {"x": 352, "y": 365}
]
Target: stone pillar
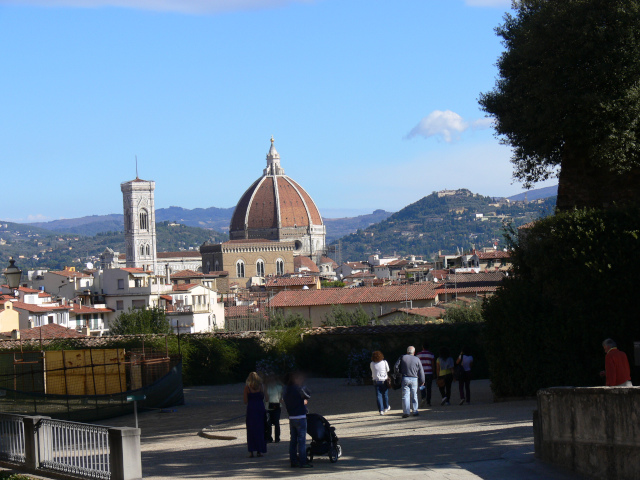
[
  {"x": 32, "y": 447},
  {"x": 125, "y": 460}
]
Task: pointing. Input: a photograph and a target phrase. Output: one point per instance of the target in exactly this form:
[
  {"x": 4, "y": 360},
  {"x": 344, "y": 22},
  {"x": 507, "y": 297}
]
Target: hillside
[
  {"x": 535, "y": 194},
  {"x": 217, "y": 219},
  {"x": 34, "y": 247},
  {"x": 443, "y": 222},
  {"x": 339, "y": 227},
  {"x": 212, "y": 218}
]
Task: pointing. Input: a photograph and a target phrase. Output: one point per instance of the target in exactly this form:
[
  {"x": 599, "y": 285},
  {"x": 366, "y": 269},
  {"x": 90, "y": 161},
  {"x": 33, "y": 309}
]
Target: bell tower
[{"x": 139, "y": 224}]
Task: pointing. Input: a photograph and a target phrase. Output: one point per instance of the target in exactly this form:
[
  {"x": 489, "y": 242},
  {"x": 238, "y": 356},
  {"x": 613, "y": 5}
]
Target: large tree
[
  {"x": 568, "y": 96},
  {"x": 141, "y": 321}
]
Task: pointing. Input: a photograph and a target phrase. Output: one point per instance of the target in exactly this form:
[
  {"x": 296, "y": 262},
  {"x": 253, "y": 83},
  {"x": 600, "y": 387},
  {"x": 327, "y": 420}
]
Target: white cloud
[
  {"x": 488, "y": 3},
  {"x": 182, "y": 6},
  {"x": 446, "y": 125},
  {"x": 482, "y": 123}
]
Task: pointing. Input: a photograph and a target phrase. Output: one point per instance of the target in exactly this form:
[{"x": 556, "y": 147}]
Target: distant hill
[
  {"x": 212, "y": 218},
  {"x": 34, "y": 247},
  {"x": 535, "y": 194},
  {"x": 339, "y": 227},
  {"x": 447, "y": 222},
  {"x": 217, "y": 219},
  {"x": 84, "y": 225}
]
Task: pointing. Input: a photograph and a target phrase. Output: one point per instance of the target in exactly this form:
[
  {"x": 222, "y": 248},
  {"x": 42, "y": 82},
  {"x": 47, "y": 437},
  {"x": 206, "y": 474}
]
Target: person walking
[
  {"x": 464, "y": 382},
  {"x": 295, "y": 400},
  {"x": 428, "y": 361},
  {"x": 379, "y": 375},
  {"x": 254, "y": 400},
  {"x": 444, "y": 372},
  {"x": 273, "y": 400},
  {"x": 616, "y": 364},
  {"x": 412, "y": 376}
]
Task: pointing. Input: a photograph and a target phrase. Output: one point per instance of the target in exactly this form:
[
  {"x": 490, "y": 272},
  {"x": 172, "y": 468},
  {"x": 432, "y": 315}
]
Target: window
[
  {"x": 138, "y": 282},
  {"x": 141, "y": 249},
  {"x": 144, "y": 220},
  {"x": 279, "y": 267},
  {"x": 260, "y": 268},
  {"x": 138, "y": 304},
  {"x": 120, "y": 305},
  {"x": 148, "y": 250},
  {"x": 121, "y": 284},
  {"x": 50, "y": 319},
  {"x": 216, "y": 267},
  {"x": 240, "y": 269}
]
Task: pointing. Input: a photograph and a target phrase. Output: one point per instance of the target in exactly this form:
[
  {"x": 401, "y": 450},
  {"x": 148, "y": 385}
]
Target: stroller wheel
[
  {"x": 339, "y": 448},
  {"x": 309, "y": 455},
  {"x": 333, "y": 454}
]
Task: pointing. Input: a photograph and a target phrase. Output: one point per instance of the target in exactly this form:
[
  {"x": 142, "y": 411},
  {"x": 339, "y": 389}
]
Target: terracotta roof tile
[
  {"x": 48, "y": 331},
  {"x": 79, "y": 309},
  {"x": 71, "y": 274},
  {"x": 304, "y": 262},
  {"x": 290, "y": 281},
  {"x": 186, "y": 273},
  {"x": 341, "y": 296},
  {"x": 493, "y": 254},
  {"x": 29, "y": 307}
]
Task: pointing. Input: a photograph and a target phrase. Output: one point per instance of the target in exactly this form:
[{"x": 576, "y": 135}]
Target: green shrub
[
  {"x": 570, "y": 289},
  {"x": 340, "y": 316},
  {"x": 462, "y": 313},
  {"x": 143, "y": 321}
]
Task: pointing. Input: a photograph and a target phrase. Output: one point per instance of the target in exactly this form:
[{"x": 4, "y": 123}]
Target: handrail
[
  {"x": 12, "y": 438},
  {"x": 75, "y": 448}
]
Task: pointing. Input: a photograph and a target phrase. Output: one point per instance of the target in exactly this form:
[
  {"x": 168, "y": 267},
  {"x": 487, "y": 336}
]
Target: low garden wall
[{"x": 593, "y": 431}]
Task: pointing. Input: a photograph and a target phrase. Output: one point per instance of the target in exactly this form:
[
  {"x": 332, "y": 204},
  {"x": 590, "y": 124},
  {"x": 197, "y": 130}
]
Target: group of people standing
[
  {"x": 416, "y": 373},
  {"x": 263, "y": 401}
]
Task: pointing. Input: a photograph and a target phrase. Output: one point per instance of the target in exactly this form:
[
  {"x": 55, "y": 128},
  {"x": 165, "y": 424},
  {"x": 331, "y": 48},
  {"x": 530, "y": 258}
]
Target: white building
[{"x": 193, "y": 308}]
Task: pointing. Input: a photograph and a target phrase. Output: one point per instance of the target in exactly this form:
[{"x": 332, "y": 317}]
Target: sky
[{"x": 372, "y": 104}]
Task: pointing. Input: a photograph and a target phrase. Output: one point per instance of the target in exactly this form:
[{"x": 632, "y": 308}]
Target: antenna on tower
[{"x": 137, "y": 167}]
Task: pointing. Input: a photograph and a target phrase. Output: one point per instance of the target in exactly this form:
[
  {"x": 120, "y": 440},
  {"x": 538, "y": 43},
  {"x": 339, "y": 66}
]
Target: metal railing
[
  {"x": 12, "y": 438},
  {"x": 75, "y": 448}
]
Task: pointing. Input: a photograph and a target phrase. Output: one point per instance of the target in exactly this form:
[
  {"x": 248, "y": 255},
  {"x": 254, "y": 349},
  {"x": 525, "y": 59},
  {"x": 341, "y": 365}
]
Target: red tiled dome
[
  {"x": 273, "y": 198},
  {"x": 277, "y": 208}
]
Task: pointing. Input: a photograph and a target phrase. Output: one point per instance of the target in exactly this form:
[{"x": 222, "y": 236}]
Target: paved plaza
[{"x": 483, "y": 440}]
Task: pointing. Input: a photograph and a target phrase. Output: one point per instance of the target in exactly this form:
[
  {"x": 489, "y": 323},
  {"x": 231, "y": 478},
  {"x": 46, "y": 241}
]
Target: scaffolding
[{"x": 88, "y": 384}]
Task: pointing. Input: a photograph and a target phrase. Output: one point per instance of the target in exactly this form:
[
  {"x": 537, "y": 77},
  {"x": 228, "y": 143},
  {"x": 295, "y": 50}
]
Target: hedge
[{"x": 573, "y": 285}]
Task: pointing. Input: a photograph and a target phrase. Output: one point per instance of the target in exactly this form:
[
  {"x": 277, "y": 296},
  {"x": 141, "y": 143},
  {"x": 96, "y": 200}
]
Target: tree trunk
[{"x": 583, "y": 185}]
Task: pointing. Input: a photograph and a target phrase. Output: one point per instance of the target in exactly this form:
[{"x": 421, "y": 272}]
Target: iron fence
[
  {"x": 75, "y": 448},
  {"x": 12, "y": 438}
]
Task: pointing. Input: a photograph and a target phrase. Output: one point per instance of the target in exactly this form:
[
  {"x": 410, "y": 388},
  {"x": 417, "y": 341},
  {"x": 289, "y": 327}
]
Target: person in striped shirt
[{"x": 428, "y": 361}]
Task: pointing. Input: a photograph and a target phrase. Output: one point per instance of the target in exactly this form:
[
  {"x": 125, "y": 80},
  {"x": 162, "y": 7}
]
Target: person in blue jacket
[{"x": 295, "y": 400}]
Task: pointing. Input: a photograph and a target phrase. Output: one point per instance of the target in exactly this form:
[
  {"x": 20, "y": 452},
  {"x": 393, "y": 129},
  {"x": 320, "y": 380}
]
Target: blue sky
[{"x": 372, "y": 104}]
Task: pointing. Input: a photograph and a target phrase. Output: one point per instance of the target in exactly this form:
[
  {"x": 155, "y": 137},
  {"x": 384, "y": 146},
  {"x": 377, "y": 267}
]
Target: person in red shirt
[{"x": 616, "y": 365}]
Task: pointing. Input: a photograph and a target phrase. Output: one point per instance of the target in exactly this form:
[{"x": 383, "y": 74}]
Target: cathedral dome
[{"x": 275, "y": 207}]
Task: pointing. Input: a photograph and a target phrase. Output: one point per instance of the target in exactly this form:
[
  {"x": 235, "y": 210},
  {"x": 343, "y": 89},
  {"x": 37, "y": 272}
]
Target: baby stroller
[{"x": 323, "y": 438}]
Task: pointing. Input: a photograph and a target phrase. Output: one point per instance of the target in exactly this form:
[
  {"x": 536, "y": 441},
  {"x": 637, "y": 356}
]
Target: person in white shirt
[{"x": 379, "y": 374}]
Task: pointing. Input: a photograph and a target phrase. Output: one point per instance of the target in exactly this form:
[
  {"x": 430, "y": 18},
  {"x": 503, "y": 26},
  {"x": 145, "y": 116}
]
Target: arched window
[
  {"x": 260, "y": 268},
  {"x": 141, "y": 249},
  {"x": 216, "y": 266},
  {"x": 144, "y": 220},
  {"x": 240, "y": 269},
  {"x": 279, "y": 267},
  {"x": 148, "y": 250}
]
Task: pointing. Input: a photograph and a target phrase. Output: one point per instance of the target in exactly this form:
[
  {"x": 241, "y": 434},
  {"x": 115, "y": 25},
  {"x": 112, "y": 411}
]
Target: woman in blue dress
[{"x": 254, "y": 400}]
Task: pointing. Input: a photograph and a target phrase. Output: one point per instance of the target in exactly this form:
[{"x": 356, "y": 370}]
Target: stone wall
[{"x": 593, "y": 431}]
